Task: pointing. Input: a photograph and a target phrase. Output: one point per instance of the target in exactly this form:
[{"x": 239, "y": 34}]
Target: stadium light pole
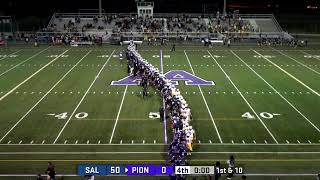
[
  {"x": 224, "y": 7},
  {"x": 100, "y": 8}
]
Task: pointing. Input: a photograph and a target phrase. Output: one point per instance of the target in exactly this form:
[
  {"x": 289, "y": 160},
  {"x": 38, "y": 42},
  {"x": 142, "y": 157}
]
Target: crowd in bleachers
[{"x": 178, "y": 23}]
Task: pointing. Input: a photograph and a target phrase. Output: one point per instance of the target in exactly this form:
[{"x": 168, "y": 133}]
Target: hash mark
[
  {"x": 287, "y": 142},
  {"x": 254, "y": 142},
  {"x": 20, "y": 142},
  {"x": 88, "y": 142},
  {"x": 43, "y": 142},
  {"x": 65, "y": 142},
  {"x": 210, "y": 141},
  {"x": 9, "y": 142},
  {"x": 309, "y": 142},
  {"x": 243, "y": 142},
  {"x": 132, "y": 141},
  {"x": 76, "y": 142},
  {"x": 121, "y": 141},
  {"x": 154, "y": 141},
  {"x": 265, "y": 142},
  {"x": 31, "y": 142}
]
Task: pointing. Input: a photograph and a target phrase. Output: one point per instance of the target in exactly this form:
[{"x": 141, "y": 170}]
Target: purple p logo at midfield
[{"x": 174, "y": 75}]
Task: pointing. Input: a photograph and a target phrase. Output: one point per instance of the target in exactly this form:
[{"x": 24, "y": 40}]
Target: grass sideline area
[{"x": 57, "y": 104}]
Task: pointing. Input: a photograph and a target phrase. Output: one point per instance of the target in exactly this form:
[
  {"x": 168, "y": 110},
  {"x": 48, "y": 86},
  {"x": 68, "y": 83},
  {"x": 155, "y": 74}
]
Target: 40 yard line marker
[
  {"x": 228, "y": 77},
  {"x": 43, "y": 97},
  {"x": 85, "y": 94},
  {"x": 16, "y": 87}
]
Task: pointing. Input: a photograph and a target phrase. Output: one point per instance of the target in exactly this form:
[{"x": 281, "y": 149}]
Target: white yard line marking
[
  {"x": 315, "y": 92},
  {"x": 276, "y": 91},
  {"x": 118, "y": 115},
  {"x": 16, "y": 87},
  {"x": 43, "y": 97},
  {"x": 10, "y": 54},
  {"x": 153, "y": 152},
  {"x": 244, "y": 99},
  {"x": 309, "y": 55},
  {"x": 162, "y": 144},
  {"x": 24, "y": 61},
  {"x": 297, "y": 61},
  {"x": 204, "y": 100},
  {"x": 85, "y": 94}
]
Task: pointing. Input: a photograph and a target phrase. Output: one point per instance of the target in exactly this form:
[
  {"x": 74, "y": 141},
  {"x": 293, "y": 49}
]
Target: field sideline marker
[
  {"x": 293, "y": 77},
  {"x": 24, "y": 61},
  {"x": 85, "y": 94},
  {"x": 43, "y": 97},
  {"x": 205, "y": 101},
  {"x": 13, "y": 89},
  {"x": 276, "y": 91},
  {"x": 245, "y": 99}
]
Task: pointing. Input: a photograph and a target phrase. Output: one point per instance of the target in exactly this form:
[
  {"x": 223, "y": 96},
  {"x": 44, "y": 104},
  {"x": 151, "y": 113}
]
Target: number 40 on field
[{"x": 264, "y": 115}]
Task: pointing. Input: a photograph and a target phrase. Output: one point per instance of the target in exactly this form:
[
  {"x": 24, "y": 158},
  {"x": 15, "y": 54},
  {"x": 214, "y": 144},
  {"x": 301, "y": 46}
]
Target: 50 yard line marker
[
  {"x": 16, "y": 87},
  {"x": 276, "y": 91},
  {"x": 24, "y": 61},
  {"x": 43, "y": 97},
  {"x": 205, "y": 101},
  {"x": 275, "y": 140},
  {"x": 85, "y": 94},
  {"x": 163, "y": 103},
  {"x": 315, "y": 92}
]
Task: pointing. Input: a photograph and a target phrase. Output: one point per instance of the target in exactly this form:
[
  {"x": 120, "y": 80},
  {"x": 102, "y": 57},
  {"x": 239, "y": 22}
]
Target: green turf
[{"x": 28, "y": 128}]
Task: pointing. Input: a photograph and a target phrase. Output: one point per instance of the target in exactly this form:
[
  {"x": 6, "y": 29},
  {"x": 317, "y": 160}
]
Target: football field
[{"x": 57, "y": 104}]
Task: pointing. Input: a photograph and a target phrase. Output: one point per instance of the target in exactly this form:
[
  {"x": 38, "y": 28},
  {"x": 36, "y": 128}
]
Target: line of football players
[{"x": 176, "y": 107}]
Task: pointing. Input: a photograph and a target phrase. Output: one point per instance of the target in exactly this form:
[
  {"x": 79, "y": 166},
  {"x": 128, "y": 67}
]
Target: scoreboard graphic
[{"x": 152, "y": 170}]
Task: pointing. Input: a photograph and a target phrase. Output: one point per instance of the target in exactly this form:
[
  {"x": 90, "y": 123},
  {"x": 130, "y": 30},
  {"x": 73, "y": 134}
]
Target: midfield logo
[{"x": 174, "y": 75}]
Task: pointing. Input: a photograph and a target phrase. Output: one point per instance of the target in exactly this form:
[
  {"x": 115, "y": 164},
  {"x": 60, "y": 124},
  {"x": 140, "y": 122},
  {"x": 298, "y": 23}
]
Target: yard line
[
  {"x": 163, "y": 103},
  {"x": 296, "y": 61},
  {"x": 205, "y": 101},
  {"x": 117, "y": 118},
  {"x": 276, "y": 91},
  {"x": 85, "y": 94},
  {"x": 245, "y": 99},
  {"x": 309, "y": 54},
  {"x": 44, "y": 96},
  {"x": 10, "y": 54},
  {"x": 315, "y": 92},
  {"x": 13, "y": 89},
  {"x": 151, "y": 152},
  {"x": 24, "y": 61}
]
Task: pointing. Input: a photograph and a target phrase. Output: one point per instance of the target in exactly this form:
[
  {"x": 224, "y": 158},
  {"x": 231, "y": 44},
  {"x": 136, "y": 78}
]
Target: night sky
[{"x": 44, "y": 8}]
